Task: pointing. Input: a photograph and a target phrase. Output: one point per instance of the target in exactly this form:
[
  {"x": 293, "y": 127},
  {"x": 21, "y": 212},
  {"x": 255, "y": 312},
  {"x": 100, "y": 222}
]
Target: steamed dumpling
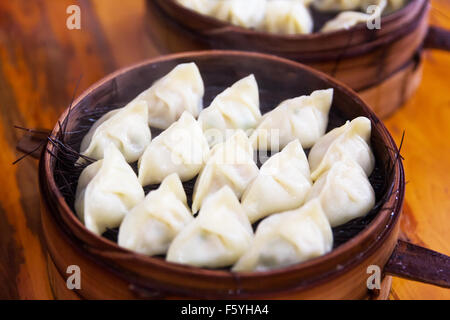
[
  {"x": 151, "y": 225},
  {"x": 180, "y": 90},
  {"x": 181, "y": 149},
  {"x": 348, "y": 141},
  {"x": 235, "y": 108},
  {"x": 345, "y": 20},
  {"x": 336, "y": 5},
  {"x": 288, "y": 238},
  {"x": 126, "y": 128},
  {"x": 304, "y": 118},
  {"x": 344, "y": 192},
  {"x": 282, "y": 184},
  {"x": 248, "y": 13},
  {"x": 287, "y": 17},
  {"x": 391, "y": 5},
  {"x": 219, "y": 235},
  {"x": 200, "y": 6},
  {"x": 106, "y": 191},
  {"x": 348, "y": 19},
  {"x": 230, "y": 164}
]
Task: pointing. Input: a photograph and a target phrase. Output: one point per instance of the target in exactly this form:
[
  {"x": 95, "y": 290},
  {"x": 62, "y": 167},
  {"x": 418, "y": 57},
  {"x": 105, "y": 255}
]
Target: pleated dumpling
[
  {"x": 344, "y": 192},
  {"x": 235, "y": 108},
  {"x": 352, "y": 140},
  {"x": 304, "y": 118},
  {"x": 106, "y": 191},
  {"x": 348, "y": 19},
  {"x": 287, "y": 17},
  {"x": 288, "y": 238},
  {"x": 218, "y": 236},
  {"x": 391, "y": 5},
  {"x": 180, "y": 90},
  {"x": 152, "y": 224},
  {"x": 126, "y": 128},
  {"x": 200, "y": 6},
  {"x": 336, "y": 5},
  {"x": 247, "y": 14},
  {"x": 229, "y": 164},
  {"x": 282, "y": 184},
  {"x": 181, "y": 149}
]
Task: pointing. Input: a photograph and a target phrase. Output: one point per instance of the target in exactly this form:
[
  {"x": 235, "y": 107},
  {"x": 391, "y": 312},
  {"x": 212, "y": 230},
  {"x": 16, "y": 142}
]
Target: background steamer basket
[
  {"x": 383, "y": 65},
  {"x": 113, "y": 272}
]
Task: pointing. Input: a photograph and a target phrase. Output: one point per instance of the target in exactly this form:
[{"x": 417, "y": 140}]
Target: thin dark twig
[
  {"x": 44, "y": 132},
  {"x": 28, "y": 153}
]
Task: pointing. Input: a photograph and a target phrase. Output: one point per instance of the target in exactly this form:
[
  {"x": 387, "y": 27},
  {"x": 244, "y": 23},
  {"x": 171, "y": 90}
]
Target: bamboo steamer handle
[
  {"x": 419, "y": 264},
  {"x": 437, "y": 38}
]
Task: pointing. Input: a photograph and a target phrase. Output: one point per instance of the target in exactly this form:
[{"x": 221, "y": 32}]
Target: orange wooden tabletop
[{"x": 41, "y": 61}]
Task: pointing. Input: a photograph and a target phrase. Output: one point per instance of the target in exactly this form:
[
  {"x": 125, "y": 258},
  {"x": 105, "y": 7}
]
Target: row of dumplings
[
  {"x": 290, "y": 16},
  {"x": 109, "y": 194}
]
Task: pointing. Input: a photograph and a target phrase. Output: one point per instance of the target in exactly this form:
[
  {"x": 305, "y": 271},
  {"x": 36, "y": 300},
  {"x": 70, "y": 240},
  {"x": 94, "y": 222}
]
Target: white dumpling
[
  {"x": 391, "y": 5},
  {"x": 218, "y": 236},
  {"x": 235, "y": 108},
  {"x": 248, "y": 13},
  {"x": 106, "y": 191},
  {"x": 287, "y": 17},
  {"x": 151, "y": 225},
  {"x": 200, "y": 6},
  {"x": 345, "y": 20},
  {"x": 304, "y": 118},
  {"x": 336, "y": 5},
  {"x": 229, "y": 164},
  {"x": 395, "y": 5},
  {"x": 127, "y": 128},
  {"x": 348, "y": 19},
  {"x": 282, "y": 184},
  {"x": 180, "y": 90},
  {"x": 181, "y": 149},
  {"x": 344, "y": 192},
  {"x": 288, "y": 238},
  {"x": 348, "y": 141}
]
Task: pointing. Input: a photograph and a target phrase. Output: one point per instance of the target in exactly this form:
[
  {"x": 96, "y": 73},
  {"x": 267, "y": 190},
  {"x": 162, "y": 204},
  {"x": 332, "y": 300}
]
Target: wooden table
[{"x": 41, "y": 61}]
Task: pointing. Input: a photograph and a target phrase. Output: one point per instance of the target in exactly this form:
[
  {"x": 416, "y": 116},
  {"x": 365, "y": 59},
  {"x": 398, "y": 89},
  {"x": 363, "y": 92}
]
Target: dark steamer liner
[
  {"x": 383, "y": 65},
  {"x": 109, "y": 271}
]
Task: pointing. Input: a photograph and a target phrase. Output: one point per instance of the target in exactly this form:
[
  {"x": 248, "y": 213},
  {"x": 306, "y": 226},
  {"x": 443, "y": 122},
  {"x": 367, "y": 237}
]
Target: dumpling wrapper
[
  {"x": 287, "y": 17},
  {"x": 304, "y": 118},
  {"x": 217, "y": 237},
  {"x": 344, "y": 192},
  {"x": 288, "y": 238},
  {"x": 282, "y": 184},
  {"x": 106, "y": 191},
  {"x": 151, "y": 225},
  {"x": 229, "y": 164},
  {"x": 181, "y": 149},
  {"x": 391, "y": 5},
  {"x": 201, "y": 6},
  {"x": 180, "y": 90},
  {"x": 127, "y": 128},
  {"x": 235, "y": 108},
  {"x": 348, "y": 19},
  {"x": 336, "y": 5},
  {"x": 247, "y": 14},
  {"x": 352, "y": 140}
]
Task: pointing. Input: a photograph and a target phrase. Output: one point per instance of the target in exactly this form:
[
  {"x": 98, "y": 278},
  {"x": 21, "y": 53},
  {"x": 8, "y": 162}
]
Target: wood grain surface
[{"x": 41, "y": 62}]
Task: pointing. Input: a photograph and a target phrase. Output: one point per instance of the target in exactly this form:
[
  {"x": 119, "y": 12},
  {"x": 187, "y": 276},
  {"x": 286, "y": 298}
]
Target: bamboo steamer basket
[
  {"x": 382, "y": 65},
  {"x": 111, "y": 272}
]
